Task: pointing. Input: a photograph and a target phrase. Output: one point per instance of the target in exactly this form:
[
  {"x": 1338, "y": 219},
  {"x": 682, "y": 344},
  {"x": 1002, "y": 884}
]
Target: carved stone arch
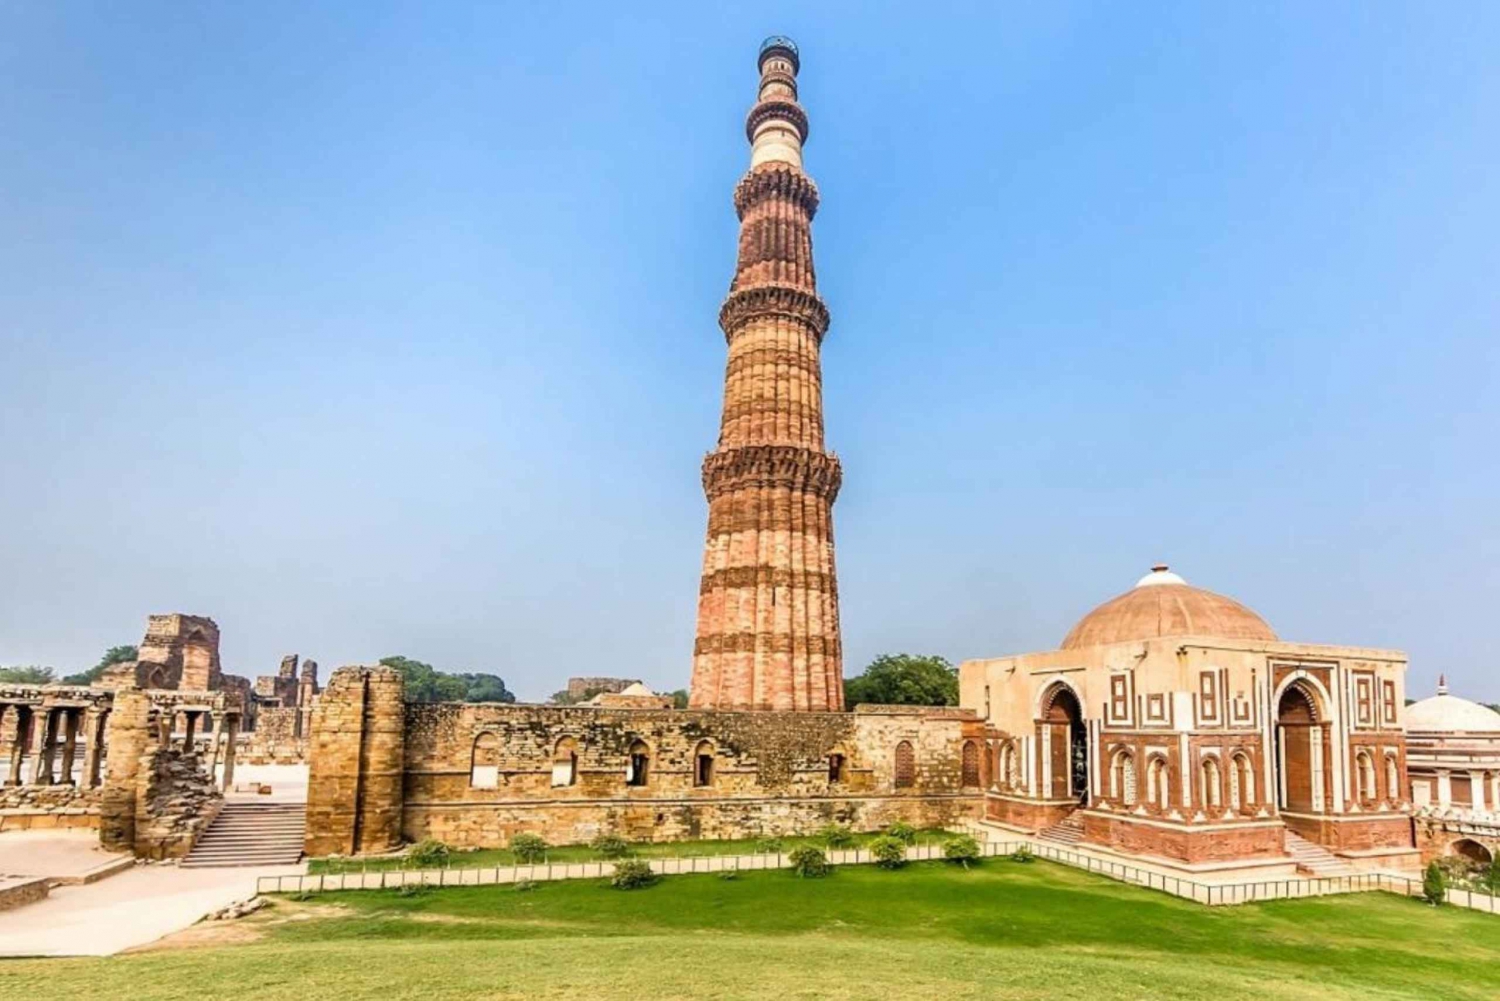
[
  {"x": 969, "y": 762},
  {"x": 638, "y": 763},
  {"x": 905, "y": 765},
  {"x": 704, "y": 756},
  {"x": 565, "y": 762}
]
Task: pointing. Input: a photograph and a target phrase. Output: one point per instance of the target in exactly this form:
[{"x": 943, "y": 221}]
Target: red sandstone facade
[{"x": 768, "y": 615}]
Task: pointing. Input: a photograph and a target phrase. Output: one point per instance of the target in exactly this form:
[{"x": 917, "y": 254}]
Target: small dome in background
[
  {"x": 1163, "y": 604},
  {"x": 1444, "y": 713}
]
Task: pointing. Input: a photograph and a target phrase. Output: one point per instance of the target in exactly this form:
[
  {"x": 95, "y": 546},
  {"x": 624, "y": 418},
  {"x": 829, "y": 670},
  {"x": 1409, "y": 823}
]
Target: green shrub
[
  {"x": 526, "y": 885},
  {"x": 610, "y": 846},
  {"x": 902, "y": 832},
  {"x": 1434, "y": 884},
  {"x": 1022, "y": 854},
  {"x": 413, "y": 890},
  {"x": 770, "y": 846},
  {"x": 836, "y": 835},
  {"x": 632, "y": 874},
  {"x": 889, "y": 852},
  {"x": 729, "y": 875},
  {"x": 529, "y": 848},
  {"x": 429, "y": 853},
  {"x": 1492, "y": 876},
  {"x": 810, "y": 862},
  {"x": 962, "y": 849}
]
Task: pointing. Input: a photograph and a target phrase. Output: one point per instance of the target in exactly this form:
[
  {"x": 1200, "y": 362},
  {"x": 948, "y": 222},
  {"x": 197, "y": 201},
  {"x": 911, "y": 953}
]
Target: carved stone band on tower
[{"x": 768, "y": 611}]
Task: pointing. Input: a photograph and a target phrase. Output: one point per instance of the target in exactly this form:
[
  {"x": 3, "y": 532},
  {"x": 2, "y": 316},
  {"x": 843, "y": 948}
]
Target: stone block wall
[
  {"x": 476, "y": 775},
  {"x": 275, "y": 739},
  {"x": 356, "y": 762},
  {"x": 55, "y": 806},
  {"x": 176, "y": 800}
]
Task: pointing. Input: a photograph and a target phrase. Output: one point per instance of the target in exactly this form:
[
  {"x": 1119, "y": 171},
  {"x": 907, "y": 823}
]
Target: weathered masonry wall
[
  {"x": 476, "y": 775},
  {"x": 275, "y": 739}
]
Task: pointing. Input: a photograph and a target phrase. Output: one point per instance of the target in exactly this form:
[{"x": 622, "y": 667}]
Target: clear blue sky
[{"x": 372, "y": 329}]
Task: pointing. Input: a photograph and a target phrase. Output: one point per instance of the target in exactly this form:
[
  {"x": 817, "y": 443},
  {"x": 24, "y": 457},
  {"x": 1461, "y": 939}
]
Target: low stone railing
[{"x": 1210, "y": 894}]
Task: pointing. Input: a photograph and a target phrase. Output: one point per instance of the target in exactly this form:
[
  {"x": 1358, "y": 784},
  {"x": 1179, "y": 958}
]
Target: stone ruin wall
[
  {"x": 276, "y": 739},
  {"x": 380, "y": 774},
  {"x": 1437, "y": 832}
]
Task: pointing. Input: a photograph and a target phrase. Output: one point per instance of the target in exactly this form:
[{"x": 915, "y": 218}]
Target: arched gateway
[{"x": 1065, "y": 744}]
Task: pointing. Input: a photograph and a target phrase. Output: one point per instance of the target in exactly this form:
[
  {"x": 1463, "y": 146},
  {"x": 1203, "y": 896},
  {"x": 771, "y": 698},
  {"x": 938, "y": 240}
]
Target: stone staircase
[
  {"x": 1313, "y": 859},
  {"x": 250, "y": 833},
  {"x": 1067, "y": 832}
]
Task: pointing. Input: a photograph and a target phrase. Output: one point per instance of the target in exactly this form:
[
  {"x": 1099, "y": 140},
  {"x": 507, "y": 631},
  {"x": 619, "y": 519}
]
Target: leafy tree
[
  {"x": 680, "y": 699},
  {"x": 962, "y": 849},
  {"x": 114, "y": 655},
  {"x": 424, "y": 683},
  {"x": 32, "y": 675},
  {"x": 836, "y": 835},
  {"x": 902, "y": 832},
  {"x": 1434, "y": 884},
  {"x": 1492, "y": 876},
  {"x": 486, "y": 688},
  {"x": 529, "y": 848},
  {"x": 632, "y": 874},
  {"x": 904, "y": 679}
]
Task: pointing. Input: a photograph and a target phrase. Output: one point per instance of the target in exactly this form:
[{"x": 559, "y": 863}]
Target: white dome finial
[
  {"x": 1160, "y": 574},
  {"x": 1442, "y": 684}
]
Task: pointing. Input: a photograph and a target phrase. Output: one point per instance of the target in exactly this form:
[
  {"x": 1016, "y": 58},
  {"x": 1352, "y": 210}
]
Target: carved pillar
[
  {"x": 129, "y": 736},
  {"x": 1315, "y": 747},
  {"x": 215, "y": 739},
  {"x": 18, "y": 744},
  {"x": 231, "y": 734},
  {"x": 93, "y": 735},
  {"x": 190, "y": 730},
  {"x": 41, "y": 769},
  {"x": 70, "y": 744}
]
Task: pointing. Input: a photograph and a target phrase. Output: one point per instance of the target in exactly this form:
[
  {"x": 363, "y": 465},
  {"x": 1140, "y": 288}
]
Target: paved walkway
[{"x": 133, "y": 908}]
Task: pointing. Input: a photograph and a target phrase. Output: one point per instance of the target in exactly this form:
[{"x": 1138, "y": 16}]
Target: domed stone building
[
  {"x": 1173, "y": 723},
  {"x": 1453, "y": 759}
]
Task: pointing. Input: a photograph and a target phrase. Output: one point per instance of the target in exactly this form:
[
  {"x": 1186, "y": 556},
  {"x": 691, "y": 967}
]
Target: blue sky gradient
[{"x": 371, "y": 329}]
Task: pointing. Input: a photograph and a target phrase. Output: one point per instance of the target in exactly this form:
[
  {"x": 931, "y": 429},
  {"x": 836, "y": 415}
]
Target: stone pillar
[
  {"x": 70, "y": 744},
  {"x": 189, "y": 728},
  {"x": 93, "y": 735},
  {"x": 356, "y": 759},
  {"x": 164, "y": 718},
  {"x": 1315, "y": 757},
  {"x": 1444, "y": 789},
  {"x": 41, "y": 769},
  {"x": 231, "y": 736},
  {"x": 18, "y": 745},
  {"x": 215, "y": 739},
  {"x": 1476, "y": 783},
  {"x": 129, "y": 737}
]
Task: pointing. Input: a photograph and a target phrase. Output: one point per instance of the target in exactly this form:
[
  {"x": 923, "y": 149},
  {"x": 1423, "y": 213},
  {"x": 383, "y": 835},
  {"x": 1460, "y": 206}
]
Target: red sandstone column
[{"x": 768, "y": 633}]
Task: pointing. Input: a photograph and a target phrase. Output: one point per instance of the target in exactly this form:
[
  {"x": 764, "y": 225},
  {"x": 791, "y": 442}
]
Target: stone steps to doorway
[
  {"x": 1067, "y": 832},
  {"x": 1313, "y": 859},
  {"x": 251, "y": 834}
]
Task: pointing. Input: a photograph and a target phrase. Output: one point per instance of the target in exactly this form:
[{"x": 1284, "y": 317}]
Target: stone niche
[{"x": 476, "y": 775}]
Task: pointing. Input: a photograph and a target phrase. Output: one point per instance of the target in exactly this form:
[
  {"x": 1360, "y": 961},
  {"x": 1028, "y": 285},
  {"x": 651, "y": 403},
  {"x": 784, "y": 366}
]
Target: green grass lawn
[
  {"x": 1004, "y": 930},
  {"x": 485, "y": 858}
]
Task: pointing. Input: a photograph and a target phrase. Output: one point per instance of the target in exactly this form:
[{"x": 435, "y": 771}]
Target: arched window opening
[
  {"x": 970, "y": 765},
  {"x": 703, "y": 764},
  {"x": 1241, "y": 783},
  {"x": 1364, "y": 767},
  {"x": 1122, "y": 777},
  {"x": 1392, "y": 779},
  {"x": 565, "y": 763},
  {"x": 1159, "y": 784},
  {"x": 906, "y": 765},
  {"x": 484, "y": 764},
  {"x": 638, "y": 771},
  {"x": 1212, "y": 787},
  {"x": 835, "y": 768}
]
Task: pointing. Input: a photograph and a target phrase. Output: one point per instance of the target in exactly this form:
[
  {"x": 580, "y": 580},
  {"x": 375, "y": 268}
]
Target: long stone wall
[
  {"x": 476, "y": 775},
  {"x": 275, "y": 739}
]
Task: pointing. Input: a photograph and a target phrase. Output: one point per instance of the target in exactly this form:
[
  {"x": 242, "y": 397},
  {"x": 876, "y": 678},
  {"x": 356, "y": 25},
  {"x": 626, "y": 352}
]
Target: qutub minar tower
[{"x": 768, "y": 610}]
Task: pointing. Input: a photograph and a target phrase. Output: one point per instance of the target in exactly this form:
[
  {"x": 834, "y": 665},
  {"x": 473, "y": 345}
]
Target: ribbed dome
[
  {"x": 1450, "y": 714},
  {"x": 1163, "y": 604}
]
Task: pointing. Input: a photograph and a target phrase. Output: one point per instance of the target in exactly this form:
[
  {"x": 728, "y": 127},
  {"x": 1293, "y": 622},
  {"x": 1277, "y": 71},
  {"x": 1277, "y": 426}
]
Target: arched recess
[
  {"x": 1364, "y": 777},
  {"x": 970, "y": 765},
  {"x": 1159, "y": 782},
  {"x": 703, "y": 763},
  {"x": 638, "y": 764},
  {"x": 565, "y": 763},
  {"x": 1241, "y": 782},
  {"x": 1300, "y": 748},
  {"x": 484, "y": 761},
  {"x": 1064, "y": 741},
  {"x": 1393, "y": 778},
  {"x": 1213, "y": 784},
  {"x": 906, "y": 765},
  {"x": 1470, "y": 849},
  {"x": 1122, "y": 777}
]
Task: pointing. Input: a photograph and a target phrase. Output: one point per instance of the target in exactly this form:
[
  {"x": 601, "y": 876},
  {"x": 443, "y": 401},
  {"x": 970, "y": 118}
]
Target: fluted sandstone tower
[{"x": 768, "y": 611}]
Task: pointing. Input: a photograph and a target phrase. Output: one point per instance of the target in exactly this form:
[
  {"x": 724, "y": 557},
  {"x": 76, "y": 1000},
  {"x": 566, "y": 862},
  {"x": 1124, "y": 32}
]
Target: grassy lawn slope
[{"x": 1001, "y": 931}]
